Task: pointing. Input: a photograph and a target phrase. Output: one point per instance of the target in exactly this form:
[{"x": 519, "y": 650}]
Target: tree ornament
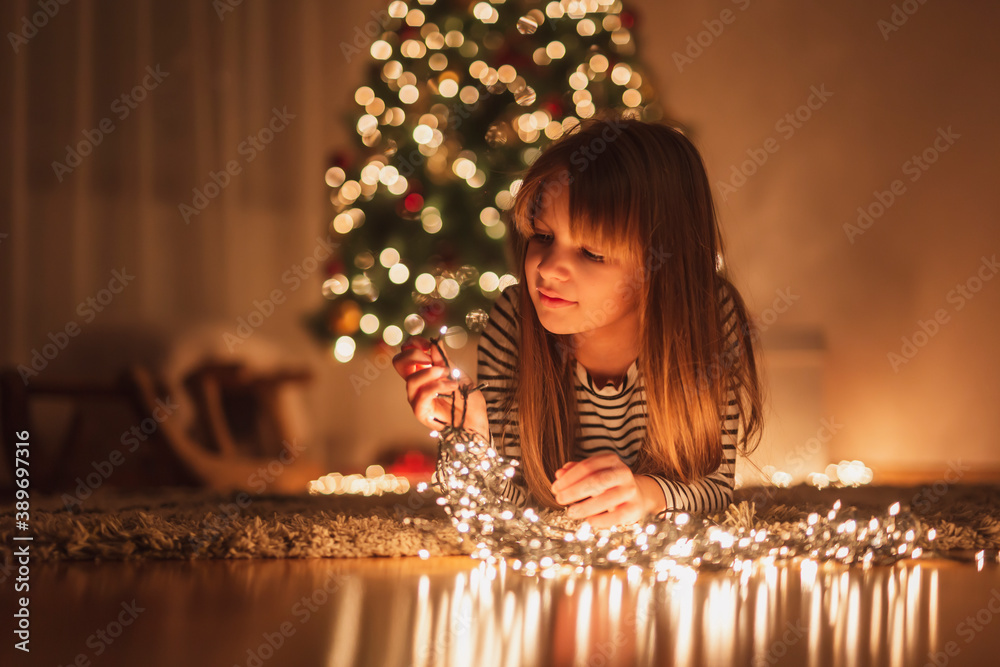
[
  {"x": 476, "y": 320},
  {"x": 344, "y": 317}
]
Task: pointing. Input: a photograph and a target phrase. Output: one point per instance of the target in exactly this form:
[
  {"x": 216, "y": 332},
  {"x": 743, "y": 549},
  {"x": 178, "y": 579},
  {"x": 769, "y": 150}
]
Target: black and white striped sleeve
[
  {"x": 713, "y": 492},
  {"x": 496, "y": 365}
]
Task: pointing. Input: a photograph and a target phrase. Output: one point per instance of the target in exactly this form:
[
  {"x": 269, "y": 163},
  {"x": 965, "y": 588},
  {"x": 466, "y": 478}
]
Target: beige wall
[{"x": 784, "y": 225}]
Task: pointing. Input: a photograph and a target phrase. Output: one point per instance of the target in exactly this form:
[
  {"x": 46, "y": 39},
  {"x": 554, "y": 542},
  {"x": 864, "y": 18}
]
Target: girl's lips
[{"x": 552, "y": 302}]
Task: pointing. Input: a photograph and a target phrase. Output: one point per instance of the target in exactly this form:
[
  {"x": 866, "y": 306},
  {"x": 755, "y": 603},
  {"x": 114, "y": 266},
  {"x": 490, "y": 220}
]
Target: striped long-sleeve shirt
[{"x": 612, "y": 419}]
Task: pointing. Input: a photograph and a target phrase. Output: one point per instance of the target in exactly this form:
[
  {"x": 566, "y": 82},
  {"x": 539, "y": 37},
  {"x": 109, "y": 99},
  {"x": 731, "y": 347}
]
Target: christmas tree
[{"x": 460, "y": 98}]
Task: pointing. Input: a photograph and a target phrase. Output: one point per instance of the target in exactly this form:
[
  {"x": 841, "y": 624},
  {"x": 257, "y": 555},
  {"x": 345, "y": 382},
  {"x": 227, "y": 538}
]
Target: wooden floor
[{"x": 456, "y": 611}]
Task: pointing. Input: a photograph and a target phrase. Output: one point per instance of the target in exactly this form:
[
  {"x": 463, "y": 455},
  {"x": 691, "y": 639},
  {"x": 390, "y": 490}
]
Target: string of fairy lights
[
  {"x": 470, "y": 477},
  {"x": 471, "y": 474},
  {"x": 375, "y": 482}
]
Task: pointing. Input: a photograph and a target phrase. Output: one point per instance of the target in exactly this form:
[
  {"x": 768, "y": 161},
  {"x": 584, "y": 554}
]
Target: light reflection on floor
[
  {"x": 457, "y": 611},
  {"x": 799, "y": 614}
]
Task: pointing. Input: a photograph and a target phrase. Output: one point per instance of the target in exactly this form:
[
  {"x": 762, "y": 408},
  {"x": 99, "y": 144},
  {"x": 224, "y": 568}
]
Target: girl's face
[{"x": 574, "y": 288}]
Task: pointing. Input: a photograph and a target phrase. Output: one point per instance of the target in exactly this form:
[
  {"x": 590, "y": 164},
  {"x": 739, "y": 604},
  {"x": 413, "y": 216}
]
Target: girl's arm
[
  {"x": 714, "y": 492},
  {"x": 653, "y": 496},
  {"x": 497, "y": 361},
  {"x": 604, "y": 490}
]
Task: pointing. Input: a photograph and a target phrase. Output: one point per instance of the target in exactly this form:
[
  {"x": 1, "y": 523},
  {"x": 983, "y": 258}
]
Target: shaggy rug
[{"x": 190, "y": 524}]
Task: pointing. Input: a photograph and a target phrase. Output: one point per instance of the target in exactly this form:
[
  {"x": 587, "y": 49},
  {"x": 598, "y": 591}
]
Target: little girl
[{"x": 620, "y": 367}]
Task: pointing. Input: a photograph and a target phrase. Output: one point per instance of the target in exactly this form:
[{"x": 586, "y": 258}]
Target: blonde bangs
[{"x": 600, "y": 218}]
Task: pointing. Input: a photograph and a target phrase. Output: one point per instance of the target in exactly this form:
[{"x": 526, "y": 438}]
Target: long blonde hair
[{"x": 636, "y": 190}]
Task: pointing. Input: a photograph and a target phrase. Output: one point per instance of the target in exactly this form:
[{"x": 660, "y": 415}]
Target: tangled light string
[{"x": 471, "y": 476}]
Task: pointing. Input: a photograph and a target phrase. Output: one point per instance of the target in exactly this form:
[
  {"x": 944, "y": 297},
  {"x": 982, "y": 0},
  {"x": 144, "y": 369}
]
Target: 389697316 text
[{"x": 22, "y": 550}]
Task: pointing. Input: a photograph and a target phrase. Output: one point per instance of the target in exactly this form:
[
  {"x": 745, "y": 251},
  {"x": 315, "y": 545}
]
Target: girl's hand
[
  {"x": 429, "y": 386},
  {"x": 602, "y": 490},
  {"x": 414, "y": 355}
]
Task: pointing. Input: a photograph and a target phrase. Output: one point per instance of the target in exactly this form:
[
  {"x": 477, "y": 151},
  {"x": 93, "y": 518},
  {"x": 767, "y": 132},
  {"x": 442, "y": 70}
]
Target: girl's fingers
[
  {"x": 429, "y": 384},
  {"x": 574, "y": 471},
  {"x": 437, "y": 358},
  {"x": 569, "y": 475},
  {"x": 434, "y": 403},
  {"x": 573, "y": 475},
  {"x": 578, "y": 484},
  {"x": 562, "y": 471},
  {"x": 418, "y": 380},
  {"x": 415, "y": 342},
  {"x": 615, "y": 517},
  {"x": 605, "y": 502},
  {"x": 624, "y": 514},
  {"x": 408, "y": 362}
]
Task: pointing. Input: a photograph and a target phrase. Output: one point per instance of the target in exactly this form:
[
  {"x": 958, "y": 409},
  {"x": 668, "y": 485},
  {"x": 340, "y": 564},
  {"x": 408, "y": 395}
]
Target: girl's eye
[{"x": 539, "y": 237}]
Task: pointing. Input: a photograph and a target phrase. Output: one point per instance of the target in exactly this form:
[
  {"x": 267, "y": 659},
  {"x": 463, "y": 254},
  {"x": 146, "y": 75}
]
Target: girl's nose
[{"x": 553, "y": 263}]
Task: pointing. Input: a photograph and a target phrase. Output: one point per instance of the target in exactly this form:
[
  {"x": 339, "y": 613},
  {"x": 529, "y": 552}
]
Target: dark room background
[{"x": 864, "y": 237}]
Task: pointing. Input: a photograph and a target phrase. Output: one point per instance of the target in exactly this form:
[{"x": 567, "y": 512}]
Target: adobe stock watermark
[
  {"x": 457, "y": 113},
  {"x": 967, "y": 629},
  {"x": 778, "y": 649},
  {"x": 248, "y": 150},
  {"x": 436, "y": 652},
  {"x": 130, "y": 440},
  {"x": 371, "y": 371},
  {"x": 915, "y": 167},
  {"x": 958, "y": 297},
  {"x": 699, "y": 42},
  {"x": 47, "y": 10},
  {"x": 258, "y": 481},
  {"x": 121, "y": 108},
  {"x": 102, "y": 638},
  {"x": 796, "y": 459},
  {"x": 928, "y": 495},
  {"x": 223, "y": 7},
  {"x": 626, "y": 288},
  {"x": 294, "y": 277},
  {"x": 786, "y": 127},
  {"x": 302, "y": 610},
  {"x": 898, "y": 17},
  {"x": 581, "y": 159},
  {"x": 87, "y": 310},
  {"x": 725, "y": 361},
  {"x": 365, "y": 35}
]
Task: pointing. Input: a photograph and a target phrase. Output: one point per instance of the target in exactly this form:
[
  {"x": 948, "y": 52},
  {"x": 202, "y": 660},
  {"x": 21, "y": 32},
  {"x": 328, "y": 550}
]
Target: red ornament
[
  {"x": 333, "y": 267},
  {"x": 339, "y": 159},
  {"x": 554, "y": 108},
  {"x": 413, "y": 463},
  {"x": 413, "y": 202},
  {"x": 434, "y": 314},
  {"x": 381, "y": 349}
]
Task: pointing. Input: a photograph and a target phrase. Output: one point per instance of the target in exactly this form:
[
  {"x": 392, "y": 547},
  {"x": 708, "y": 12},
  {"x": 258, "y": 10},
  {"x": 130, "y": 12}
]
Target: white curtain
[
  {"x": 198, "y": 83},
  {"x": 218, "y": 80}
]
